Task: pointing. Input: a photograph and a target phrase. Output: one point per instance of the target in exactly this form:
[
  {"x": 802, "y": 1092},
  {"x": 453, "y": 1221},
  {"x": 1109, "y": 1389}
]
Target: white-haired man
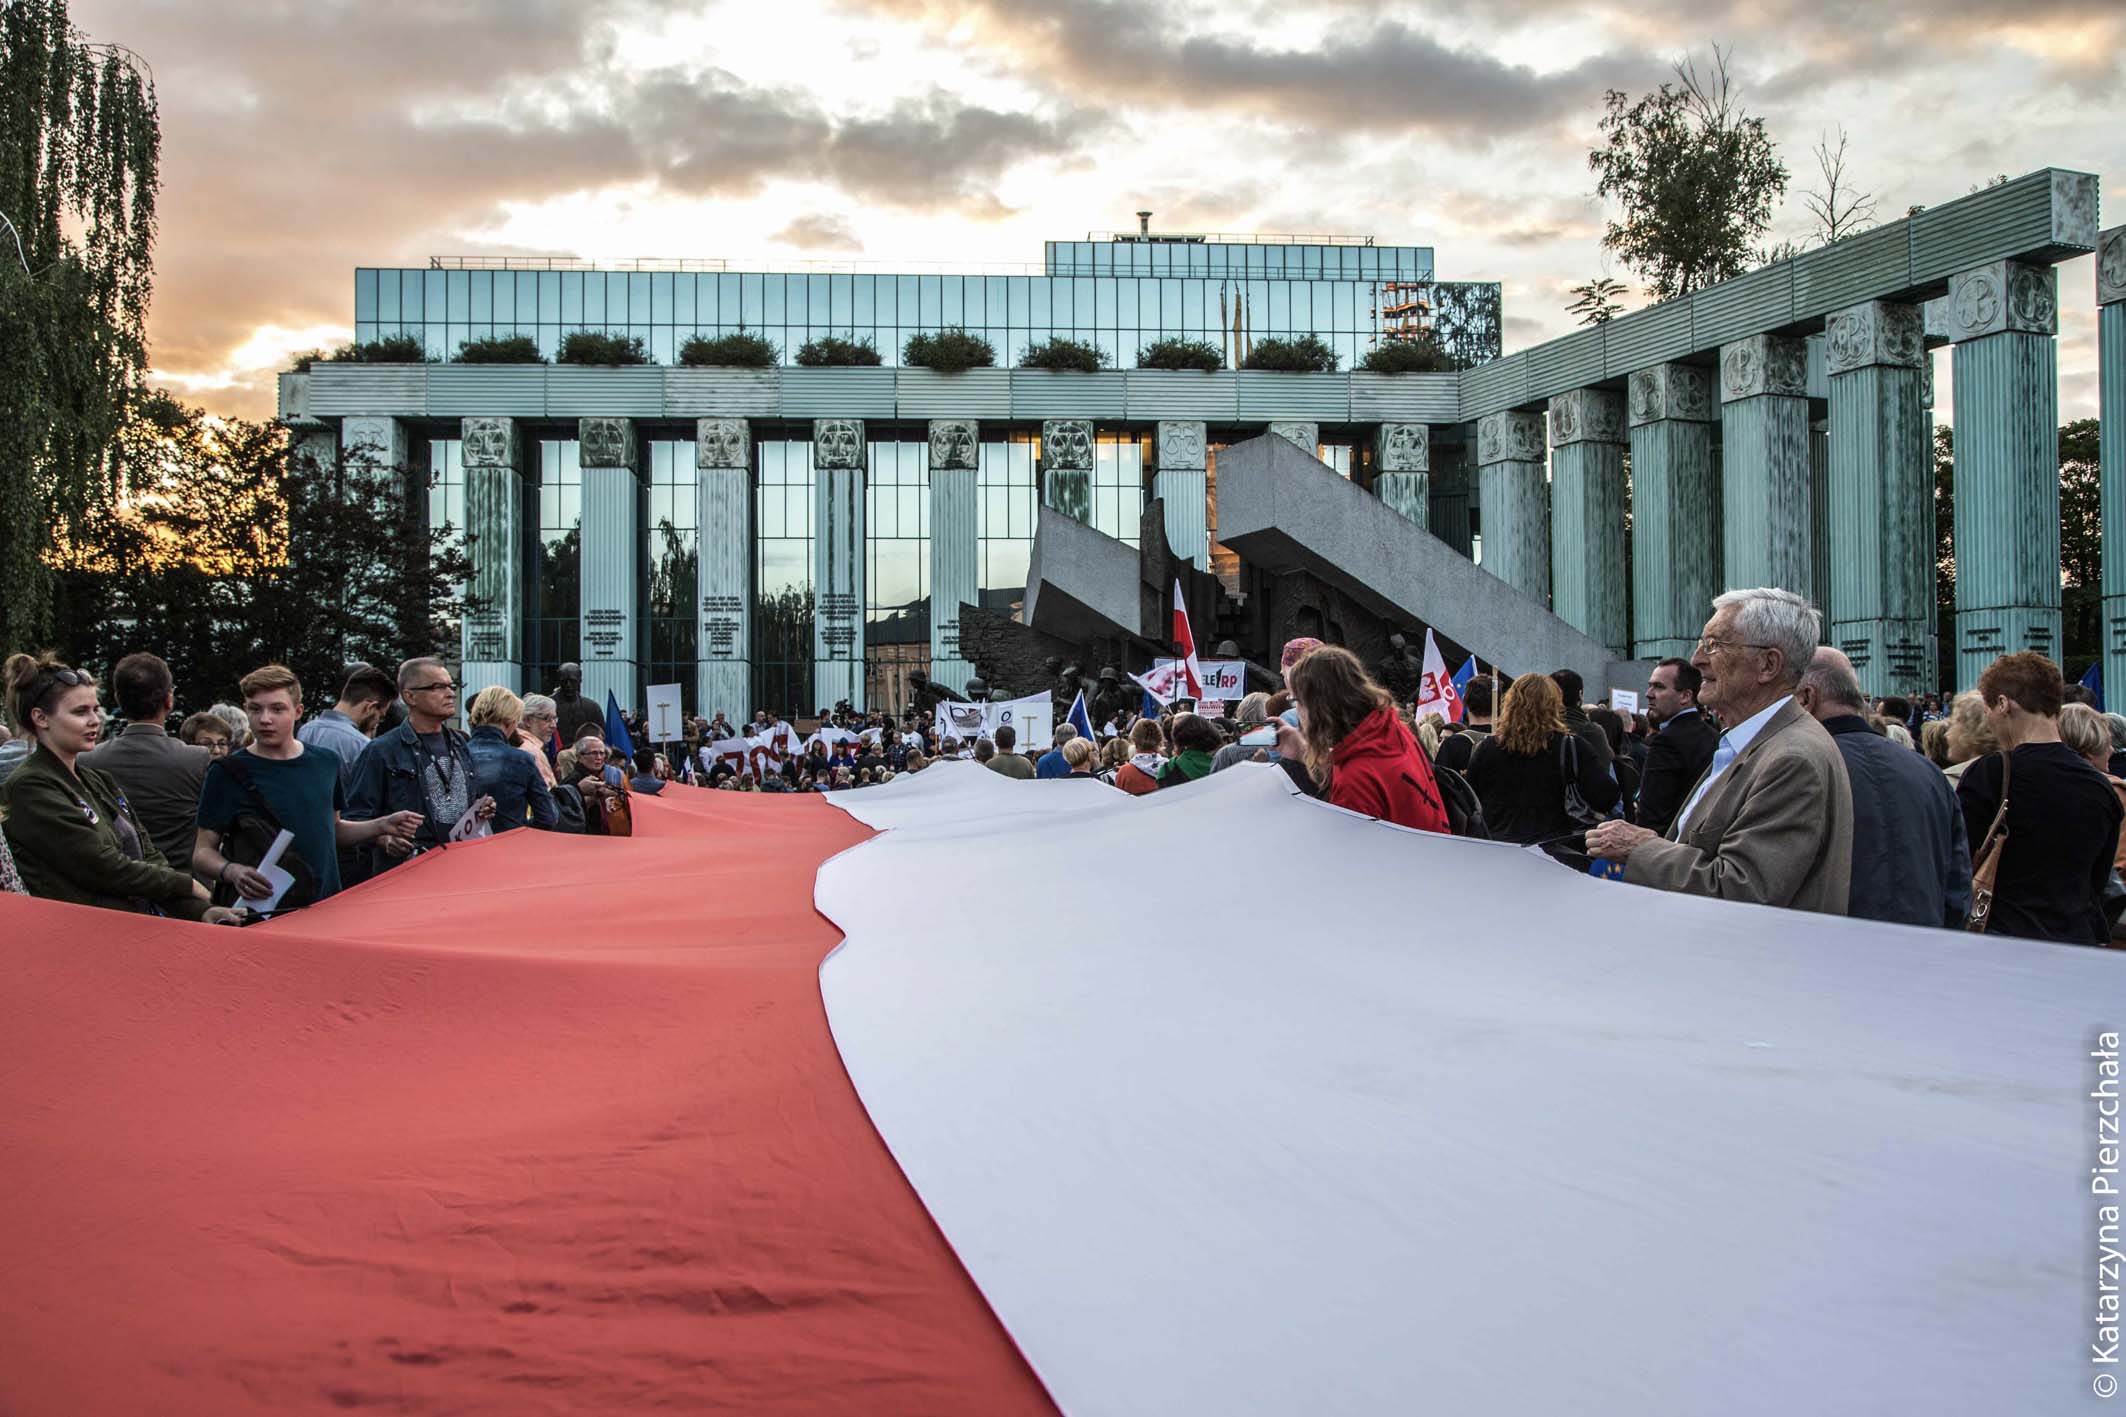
[{"x": 1771, "y": 821}]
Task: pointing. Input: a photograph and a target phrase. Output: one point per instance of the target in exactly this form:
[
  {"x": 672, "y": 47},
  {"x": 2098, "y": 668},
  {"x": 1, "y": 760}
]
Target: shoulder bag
[
  {"x": 251, "y": 836},
  {"x": 1988, "y": 869},
  {"x": 1577, "y": 811}
]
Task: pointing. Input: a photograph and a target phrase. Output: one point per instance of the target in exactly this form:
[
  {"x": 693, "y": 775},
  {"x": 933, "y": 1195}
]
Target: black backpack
[
  {"x": 252, "y": 836},
  {"x": 1465, "y": 810}
]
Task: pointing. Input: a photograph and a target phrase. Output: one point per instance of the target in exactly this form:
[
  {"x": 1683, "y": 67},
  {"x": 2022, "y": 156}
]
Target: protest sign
[
  {"x": 1222, "y": 678},
  {"x": 965, "y": 722},
  {"x": 1029, "y": 718},
  {"x": 1624, "y": 700},
  {"x": 667, "y": 725}
]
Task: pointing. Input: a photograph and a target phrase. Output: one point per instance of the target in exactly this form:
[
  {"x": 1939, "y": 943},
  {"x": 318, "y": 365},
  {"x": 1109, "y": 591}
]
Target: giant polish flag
[
  {"x": 1191, "y": 683},
  {"x": 778, "y": 1106},
  {"x": 1436, "y": 692}
]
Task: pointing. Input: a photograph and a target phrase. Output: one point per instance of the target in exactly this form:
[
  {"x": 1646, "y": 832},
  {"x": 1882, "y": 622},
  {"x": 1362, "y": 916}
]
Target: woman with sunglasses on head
[{"x": 73, "y": 836}]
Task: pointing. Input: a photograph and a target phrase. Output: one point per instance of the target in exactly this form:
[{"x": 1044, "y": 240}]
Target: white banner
[
  {"x": 1028, "y": 718},
  {"x": 1222, "y": 678},
  {"x": 965, "y": 722},
  {"x": 667, "y": 724},
  {"x": 1624, "y": 700}
]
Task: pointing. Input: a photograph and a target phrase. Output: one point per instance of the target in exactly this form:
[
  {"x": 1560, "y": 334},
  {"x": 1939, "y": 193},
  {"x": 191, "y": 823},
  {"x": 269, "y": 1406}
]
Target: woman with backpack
[
  {"x": 1354, "y": 746},
  {"x": 1535, "y": 778}
]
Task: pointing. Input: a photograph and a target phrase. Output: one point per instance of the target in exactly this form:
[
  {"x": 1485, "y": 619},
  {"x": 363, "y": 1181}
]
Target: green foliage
[
  {"x": 237, "y": 549},
  {"x": 1305, "y": 355},
  {"x": 948, "y": 351},
  {"x": 835, "y": 352},
  {"x": 1596, "y": 301},
  {"x": 1067, "y": 354},
  {"x": 499, "y": 349},
  {"x": 598, "y": 347},
  {"x": 1181, "y": 354},
  {"x": 1421, "y": 355},
  {"x": 300, "y": 363},
  {"x": 1696, "y": 177},
  {"x": 80, "y": 152},
  {"x": 392, "y": 349},
  {"x": 743, "y": 350}
]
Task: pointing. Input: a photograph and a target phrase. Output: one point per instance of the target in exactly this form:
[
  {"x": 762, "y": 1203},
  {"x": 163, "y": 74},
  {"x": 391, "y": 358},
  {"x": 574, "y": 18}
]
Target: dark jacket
[
  {"x": 387, "y": 779},
  {"x": 577, "y": 717},
  {"x": 1524, "y": 796},
  {"x": 2063, "y": 827},
  {"x": 1456, "y": 749},
  {"x": 1676, "y": 758},
  {"x": 161, "y": 779},
  {"x": 59, "y": 826},
  {"x": 505, "y": 772},
  {"x": 1378, "y": 770},
  {"x": 1911, "y": 860}
]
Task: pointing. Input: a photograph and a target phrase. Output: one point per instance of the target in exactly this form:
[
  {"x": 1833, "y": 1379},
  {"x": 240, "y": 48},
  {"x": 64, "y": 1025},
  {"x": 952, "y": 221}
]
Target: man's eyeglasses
[
  {"x": 446, "y": 687},
  {"x": 1708, "y": 644}
]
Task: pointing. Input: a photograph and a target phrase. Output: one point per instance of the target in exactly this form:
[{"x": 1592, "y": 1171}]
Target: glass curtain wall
[
  {"x": 782, "y": 577},
  {"x": 671, "y": 550},
  {"x": 553, "y": 593},
  {"x": 896, "y": 570},
  {"x": 1118, "y": 484},
  {"x": 1010, "y": 503}
]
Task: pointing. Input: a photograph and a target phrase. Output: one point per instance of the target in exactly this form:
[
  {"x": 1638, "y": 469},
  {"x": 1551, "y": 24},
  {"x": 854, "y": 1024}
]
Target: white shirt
[{"x": 1732, "y": 743}]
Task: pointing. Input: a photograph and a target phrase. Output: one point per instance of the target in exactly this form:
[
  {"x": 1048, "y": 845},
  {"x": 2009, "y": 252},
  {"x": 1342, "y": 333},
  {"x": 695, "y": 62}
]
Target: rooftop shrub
[
  {"x": 1407, "y": 356},
  {"x": 948, "y": 351},
  {"x": 743, "y": 350},
  {"x": 499, "y": 349},
  {"x": 1181, "y": 354},
  {"x": 597, "y": 347},
  {"x": 835, "y": 352},
  {"x": 1067, "y": 354},
  {"x": 1305, "y": 355}
]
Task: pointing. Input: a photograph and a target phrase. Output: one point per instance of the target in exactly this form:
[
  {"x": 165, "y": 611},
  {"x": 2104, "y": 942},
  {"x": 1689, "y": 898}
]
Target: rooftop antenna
[{"x": 1144, "y": 223}]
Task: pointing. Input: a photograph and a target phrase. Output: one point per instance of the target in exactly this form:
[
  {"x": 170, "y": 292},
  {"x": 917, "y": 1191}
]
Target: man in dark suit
[
  {"x": 159, "y": 775},
  {"x": 1679, "y": 754}
]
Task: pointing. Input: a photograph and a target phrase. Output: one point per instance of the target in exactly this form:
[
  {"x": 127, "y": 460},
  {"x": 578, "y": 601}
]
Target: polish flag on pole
[
  {"x": 1437, "y": 692},
  {"x": 1185, "y": 647}
]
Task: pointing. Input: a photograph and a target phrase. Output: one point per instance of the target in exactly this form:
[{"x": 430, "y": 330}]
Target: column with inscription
[
  {"x": 723, "y": 492},
  {"x": 837, "y": 562},
  {"x": 611, "y": 576},
  {"x": 1183, "y": 489},
  {"x": 2111, "y": 446},
  {"x": 494, "y": 528},
  {"x": 955, "y": 545},
  {"x": 1675, "y": 556},
  {"x": 1402, "y": 470},
  {"x": 1767, "y": 528},
  {"x": 1587, "y": 514},
  {"x": 1067, "y": 466},
  {"x": 1514, "y": 501}
]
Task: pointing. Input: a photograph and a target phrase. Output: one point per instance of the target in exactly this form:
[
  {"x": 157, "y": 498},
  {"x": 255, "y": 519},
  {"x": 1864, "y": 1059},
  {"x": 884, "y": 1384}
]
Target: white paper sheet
[
  {"x": 1402, "y": 1123},
  {"x": 270, "y": 867}
]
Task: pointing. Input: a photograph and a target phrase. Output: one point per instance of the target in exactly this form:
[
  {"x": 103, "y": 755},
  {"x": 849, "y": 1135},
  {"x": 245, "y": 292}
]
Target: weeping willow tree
[{"x": 79, "y": 145}]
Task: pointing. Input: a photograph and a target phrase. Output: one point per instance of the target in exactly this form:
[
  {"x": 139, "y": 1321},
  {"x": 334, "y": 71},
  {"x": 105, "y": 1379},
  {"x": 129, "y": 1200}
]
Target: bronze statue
[
  {"x": 1401, "y": 673},
  {"x": 1110, "y": 700},
  {"x": 574, "y": 715}
]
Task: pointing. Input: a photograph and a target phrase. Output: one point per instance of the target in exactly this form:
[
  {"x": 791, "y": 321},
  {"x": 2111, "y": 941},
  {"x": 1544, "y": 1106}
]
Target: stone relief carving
[
  {"x": 1404, "y": 447},
  {"x": 2074, "y": 208},
  {"x": 1509, "y": 437},
  {"x": 1873, "y": 332},
  {"x": 1067, "y": 444},
  {"x": 2111, "y": 266},
  {"x": 1670, "y": 391},
  {"x": 1764, "y": 364},
  {"x": 1181, "y": 444},
  {"x": 1304, "y": 436},
  {"x": 605, "y": 442},
  {"x": 838, "y": 442},
  {"x": 2031, "y": 303},
  {"x": 489, "y": 442},
  {"x": 721, "y": 442},
  {"x": 1999, "y": 296},
  {"x": 953, "y": 443},
  {"x": 1586, "y": 416}
]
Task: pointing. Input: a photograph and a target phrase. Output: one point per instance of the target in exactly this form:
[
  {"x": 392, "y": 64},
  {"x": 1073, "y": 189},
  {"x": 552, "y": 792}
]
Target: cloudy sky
[{"x": 303, "y": 139}]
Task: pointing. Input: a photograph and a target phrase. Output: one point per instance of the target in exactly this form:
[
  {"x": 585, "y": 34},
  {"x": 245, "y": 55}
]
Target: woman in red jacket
[{"x": 1355, "y": 747}]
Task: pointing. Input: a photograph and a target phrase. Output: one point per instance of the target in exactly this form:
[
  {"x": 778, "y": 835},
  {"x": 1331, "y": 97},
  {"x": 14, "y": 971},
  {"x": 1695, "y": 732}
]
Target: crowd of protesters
[{"x": 1758, "y": 771}]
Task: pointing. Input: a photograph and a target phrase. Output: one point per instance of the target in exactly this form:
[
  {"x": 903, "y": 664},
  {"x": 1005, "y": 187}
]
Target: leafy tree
[
  {"x": 1194, "y": 354},
  {"x": 597, "y": 347},
  {"x": 499, "y": 349},
  {"x": 742, "y": 350},
  {"x": 1467, "y": 320},
  {"x": 1066, "y": 354},
  {"x": 80, "y": 151},
  {"x": 1421, "y": 355},
  {"x": 948, "y": 351},
  {"x": 1697, "y": 179},
  {"x": 1595, "y": 302},
  {"x": 833, "y": 351},
  {"x": 1304, "y": 355}
]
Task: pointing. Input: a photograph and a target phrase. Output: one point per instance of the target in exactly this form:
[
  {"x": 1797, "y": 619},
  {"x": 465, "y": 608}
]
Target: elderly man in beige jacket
[{"x": 1771, "y": 821}]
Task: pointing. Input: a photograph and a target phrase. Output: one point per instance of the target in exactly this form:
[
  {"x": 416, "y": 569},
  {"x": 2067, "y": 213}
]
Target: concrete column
[
  {"x": 1675, "y": 560},
  {"x": 2111, "y": 442},
  {"x": 1067, "y": 466},
  {"x": 380, "y": 441},
  {"x": 955, "y": 545},
  {"x": 1304, "y": 436},
  {"x": 1587, "y": 512},
  {"x": 492, "y": 626},
  {"x": 612, "y": 559},
  {"x": 723, "y": 512},
  {"x": 1878, "y": 513},
  {"x": 1819, "y": 591},
  {"x": 1402, "y": 470},
  {"x": 1515, "y": 501},
  {"x": 2002, "y": 318},
  {"x": 837, "y": 562},
  {"x": 1183, "y": 490},
  {"x": 1767, "y": 525}
]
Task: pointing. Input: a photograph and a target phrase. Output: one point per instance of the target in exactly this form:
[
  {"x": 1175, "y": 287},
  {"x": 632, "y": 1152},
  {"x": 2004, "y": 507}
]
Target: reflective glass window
[{"x": 365, "y": 298}]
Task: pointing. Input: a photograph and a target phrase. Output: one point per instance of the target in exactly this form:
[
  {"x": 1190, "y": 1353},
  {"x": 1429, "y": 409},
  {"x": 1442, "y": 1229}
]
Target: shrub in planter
[
  {"x": 948, "y": 352},
  {"x": 597, "y": 347},
  {"x": 300, "y": 364},
  {"x": 740, "y": 351},
  {"x": 499, "y": 349},
  {"x": 834, "y": 352},
  {"x": 1407, "y": 356},
  {"x": 1305, "y": 355},
  {"x": 1181, "y": 354},
  {"x": 392, "y": 349},
  {"x": 1060, "y": 353}
]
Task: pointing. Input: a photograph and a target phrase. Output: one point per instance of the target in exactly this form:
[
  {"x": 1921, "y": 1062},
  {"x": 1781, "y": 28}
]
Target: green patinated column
[
  {"x": 1767, "y": 527},
  {"x": 1675, "y": 561},
  {"x": 839, "y": 462},
  {"x": 1067, "y": 466},
  {"x": 1587, "y": 514},
  {"x": 1402, "y": 470},
  {"x": 1879, "y": 513},
  {"x": 2111, "y": 440},
  {"x": 489, "y": 644},
  {"x": 723, "y": 510},
  {"x": 610, "y": 588},
  {"x": 955, "y": 540},
  {"x": 2002, "y": 317},
  {"x": 1183, "y": 488},
  {"x": 1515, "y": 501}
]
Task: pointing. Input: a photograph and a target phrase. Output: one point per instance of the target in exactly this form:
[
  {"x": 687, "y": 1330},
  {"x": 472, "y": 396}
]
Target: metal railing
[{"x": 1228, "y": 238}]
